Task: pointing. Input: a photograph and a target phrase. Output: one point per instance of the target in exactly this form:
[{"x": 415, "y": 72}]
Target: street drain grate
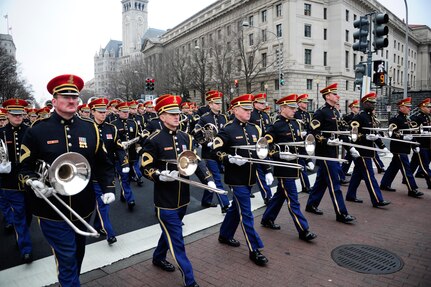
[{"x": 366, "y": 259}]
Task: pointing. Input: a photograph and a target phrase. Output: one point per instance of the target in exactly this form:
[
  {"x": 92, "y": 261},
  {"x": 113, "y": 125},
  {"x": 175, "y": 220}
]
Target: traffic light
[
  {"x": 236, "y": 83},
  {"x": 152, "y": 82},
  {"x": 379, "y": 77},
  {"x": 147, "y": 84},
  {"x": 281, "y": 79},
  {"x": 360, "y": 70},
  {"x": 380, "y": 31},
  {"x": 361, "y": 35}
]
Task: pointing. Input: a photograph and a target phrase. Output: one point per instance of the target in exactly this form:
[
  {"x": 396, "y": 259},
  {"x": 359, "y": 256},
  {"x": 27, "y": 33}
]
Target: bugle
[
  {"x": 187, "y": 163},
  {"x": 69, "y": 174}
]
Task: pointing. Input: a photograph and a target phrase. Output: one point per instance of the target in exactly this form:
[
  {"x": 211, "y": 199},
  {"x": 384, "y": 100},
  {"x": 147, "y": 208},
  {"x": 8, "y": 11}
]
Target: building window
[
  {"x": 263, "y": 14},
  {"x": 219, "y": 34},
  {"x": 264, "y": 59},
  {"x": 402, "y": 48},
  {"x": 325, "y": 13},
  {"x": 250, "y": 40},
  {"x": 347, "y": 85},
  {"x": 228, "y": 30},
  {"x": 354, "y": 17},
  {"x": 325, "y": 34},
  {"x": 250, "y": 21},
  {"x": 239, "y": 65},
  {"x": 264, "y": 35},
  {"x": 307, "y": 9},
  {"x": 347, "y": 59},
  {"x": 228, "y": 46},
  {"x": 325, "y": 59},
  {"x": 395, "y": 44},
  {"x": 278, "y": 11},
  {"x": 276, "y": 84},
  {"x": 309, "y": 84},
  {"x": 279, "y": 31},
  {"x": 354, "y": 60},
  {"x": 347, "y": 15},
  {"x": 307, "y": 57},
  {"x": 398, "y": 46},
  {"x": 347, "y": 36},
  {"x": 307, "y": 30}
]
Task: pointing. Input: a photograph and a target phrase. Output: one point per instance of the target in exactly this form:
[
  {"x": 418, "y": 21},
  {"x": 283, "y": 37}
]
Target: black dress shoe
[
  {"x": 344, "y": 181},
  {"x": 112, "y": 240},
  {"x": 306, "y": 190},
  {"x": 131, "y": 205},
  {"x": 382, "y": 170},
  {"x": 258, "y": 258},
  {"x": 313, "y": 209},
  {"x": 27, "y": 258},
  {"x": 140, "y": 181},
  {"x": 307, "y": 235},
  {"x": 193, "y": 285},
  {"x": 8, "y": 228},
  {"x": 164, "y": 265},
  {"x": 415, "y": 193},
  {"x": 419, "y": 175},
  {"x": 387, "y": 188},
  {"x": 122, "y": 198},
  {"x": 357, "y": 200},
  {"x": 209, "y": 205},
  {"x": 382, "y": 203},
  {"x": 252, "y": 195},
  {"x": 101, "y": 232},
  {"x": 231, "y": 242},
  {"x": 224, "y": 209},
  {"x": 345, "y": 218},
  {"x": 270, "y": 224},
  {"x": 266, "y": 200},
  {"x": 348, "y": 174}
]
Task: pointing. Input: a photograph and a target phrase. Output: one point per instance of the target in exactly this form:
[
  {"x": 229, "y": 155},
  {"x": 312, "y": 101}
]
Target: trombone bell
[{"x": 187, "y": 163}]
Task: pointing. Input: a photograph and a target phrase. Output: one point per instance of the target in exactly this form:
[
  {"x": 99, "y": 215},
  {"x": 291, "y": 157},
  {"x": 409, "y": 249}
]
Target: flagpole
[{"x": 7, "y": 23}]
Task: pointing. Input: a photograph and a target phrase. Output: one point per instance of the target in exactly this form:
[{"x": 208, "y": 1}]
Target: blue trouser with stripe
[
  {"x": 265, "y": 190},
  {"x": 363, "y": 170},
  {"x": 328, "y": 177},
  {"x": 126, "y": 190},
  {"x": 5, "y": 209},
  {"x": 400, "y": 161},
  {"x": 422, "y": 160},
  {"x": 15, "y": 199},
  {"x": 240, "y": 212},
  {"x": 68, "y": 247},
  {"x": 207, "y": 198},
  {"x": 101, "y": 220},
  {"x": 172, "y": 239},
  {"x": 303, "y": 176},
  {"x": 286, "y": 190}
]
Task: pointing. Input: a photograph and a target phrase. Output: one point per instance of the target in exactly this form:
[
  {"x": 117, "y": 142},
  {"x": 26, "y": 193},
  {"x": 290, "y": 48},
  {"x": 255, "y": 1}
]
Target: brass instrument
[
  {"x": 68, "y": 175},
  {"x": 5, "y": 164},
  {"x": 353, "y": 133},
  {"x": 209, "y": 132},
  {"x": 187, "y": 163},
  {"x": 127, "y": 144},
  {"x": 309, "y": 144}
]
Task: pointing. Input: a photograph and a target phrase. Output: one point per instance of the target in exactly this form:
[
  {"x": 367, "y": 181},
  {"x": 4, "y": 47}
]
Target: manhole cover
[{"x": 366, "y": 259}]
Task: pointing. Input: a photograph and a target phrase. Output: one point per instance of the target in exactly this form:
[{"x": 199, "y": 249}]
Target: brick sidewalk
[{"x": 403, "y": 228}]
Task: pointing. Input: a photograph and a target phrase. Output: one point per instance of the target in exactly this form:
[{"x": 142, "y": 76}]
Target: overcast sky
[{"x": 55, "y": 37}]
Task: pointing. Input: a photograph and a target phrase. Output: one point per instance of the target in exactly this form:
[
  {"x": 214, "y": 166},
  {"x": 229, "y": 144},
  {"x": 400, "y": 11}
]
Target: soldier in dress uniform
[
  {"x": 260, "y": 118},
  {"x": 152, "y": 121},
  {"x": 3, "y": 117},
  {"x": 149, "y": 111},
  {"x": 5, "y": 208},
  {"x": 204, "y": 109},
  {"x": 127, "y": 130},
  {"x": 348, "y": 118},
  {"x": 327, "y": 118},
  {"x": 46, "y": 140},
  {"x": 84, "y": 111},
  {"x": 304, "y": 116},
  {"x": 32, "y": 115},
  {"x": 240, "y": 175},
  {"x": 422, "y": 159},
  {"x": 109, "y": 135},
  {"x": 363, "y": 169},
  {"x": 12, "y": 190},
  {"x": 112, "y": 110},
  {"x": 400, "y": 151},
  {"x": 216, "y": 118},
  {"x": 44, "y": 113},
  {"x": 134, "y": 115},
  {"x": 286, "y": 129},
  {"x": 164, "y": 145}
]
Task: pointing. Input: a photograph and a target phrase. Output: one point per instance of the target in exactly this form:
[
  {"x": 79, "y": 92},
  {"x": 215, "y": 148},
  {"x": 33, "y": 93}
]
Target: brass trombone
[
  {"x": 353, "y": 133},
  {"x": 187, "y": 163},
  {"x": 69, "y": 174}
]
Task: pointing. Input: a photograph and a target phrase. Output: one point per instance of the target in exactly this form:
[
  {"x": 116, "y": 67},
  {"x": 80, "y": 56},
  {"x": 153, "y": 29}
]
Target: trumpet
[
  {"x": 353, "y": 133},
  {"x": 187, "y": 163},
  {"x": 127, "y": 144},
  {"x": 69, "y": 174},
  {"x": 209, "y": 132}
]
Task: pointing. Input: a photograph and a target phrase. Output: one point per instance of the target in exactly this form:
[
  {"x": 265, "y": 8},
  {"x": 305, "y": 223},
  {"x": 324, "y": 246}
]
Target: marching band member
[
  {"x": 47, "y": 139},
  {"x": 286, "y": 129},
  {"x": 152, "y": 120},
  {"x": 216, "y": 118},
  {"x": 166, "y": 144},
  {"x": 354, "y": 110},
  {"x": 44, "y": 112},
  {"x": 4, "y": 205},
  {"x": 11, "y": 189},
  {"x": 240, "y": 175},
  {"x": 422, "y": 159},
  {"x": 261, "y": 119},
  {"x": 305, "y": 117},
  {"x": 135, "y": 116},
  {"x": 109, "y": 135},
  {"x": 84, "y": 111},
  {"x": 32, "y": 115},
  {"x": 112, "y": 110},
  {"x": 127, "y": 130},
  {"x": 326, "y": 118},
  {"x": 400, "y": 151},
  {"x": 363, "y": 169}
]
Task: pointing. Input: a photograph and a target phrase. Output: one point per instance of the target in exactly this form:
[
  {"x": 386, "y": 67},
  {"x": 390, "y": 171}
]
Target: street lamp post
[{"x": 247, "y": 24}]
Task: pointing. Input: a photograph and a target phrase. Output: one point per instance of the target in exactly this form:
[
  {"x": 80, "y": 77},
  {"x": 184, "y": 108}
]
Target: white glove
[
  {"x": 5, "y": 167},
  {"x": 310, "y": 165},
  {"x": 212, "y": 185},
  {"x": 287, "y": 156},
  {"x": 408, "y": 137},
  {"x": 138, "y": 149},
  {"x": 417, "y": 149},
  {"x": 334, "y": 142},
  {"x": 237, "y": 159},
  {"x": 41, "y": 187},
  {"x": 386, "y": 151},
  {"x": 125, "y": 169},
  {"x": 107, "y": 198},
  {"x": 210, "y": 144},
  {"x": 303, "y": 134},
  {"x": 372, "y": 137},
  {"x": 269, "y": 178},
  {"x": 354, "y": 152},
  {"x": 168, "y": 175}
]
